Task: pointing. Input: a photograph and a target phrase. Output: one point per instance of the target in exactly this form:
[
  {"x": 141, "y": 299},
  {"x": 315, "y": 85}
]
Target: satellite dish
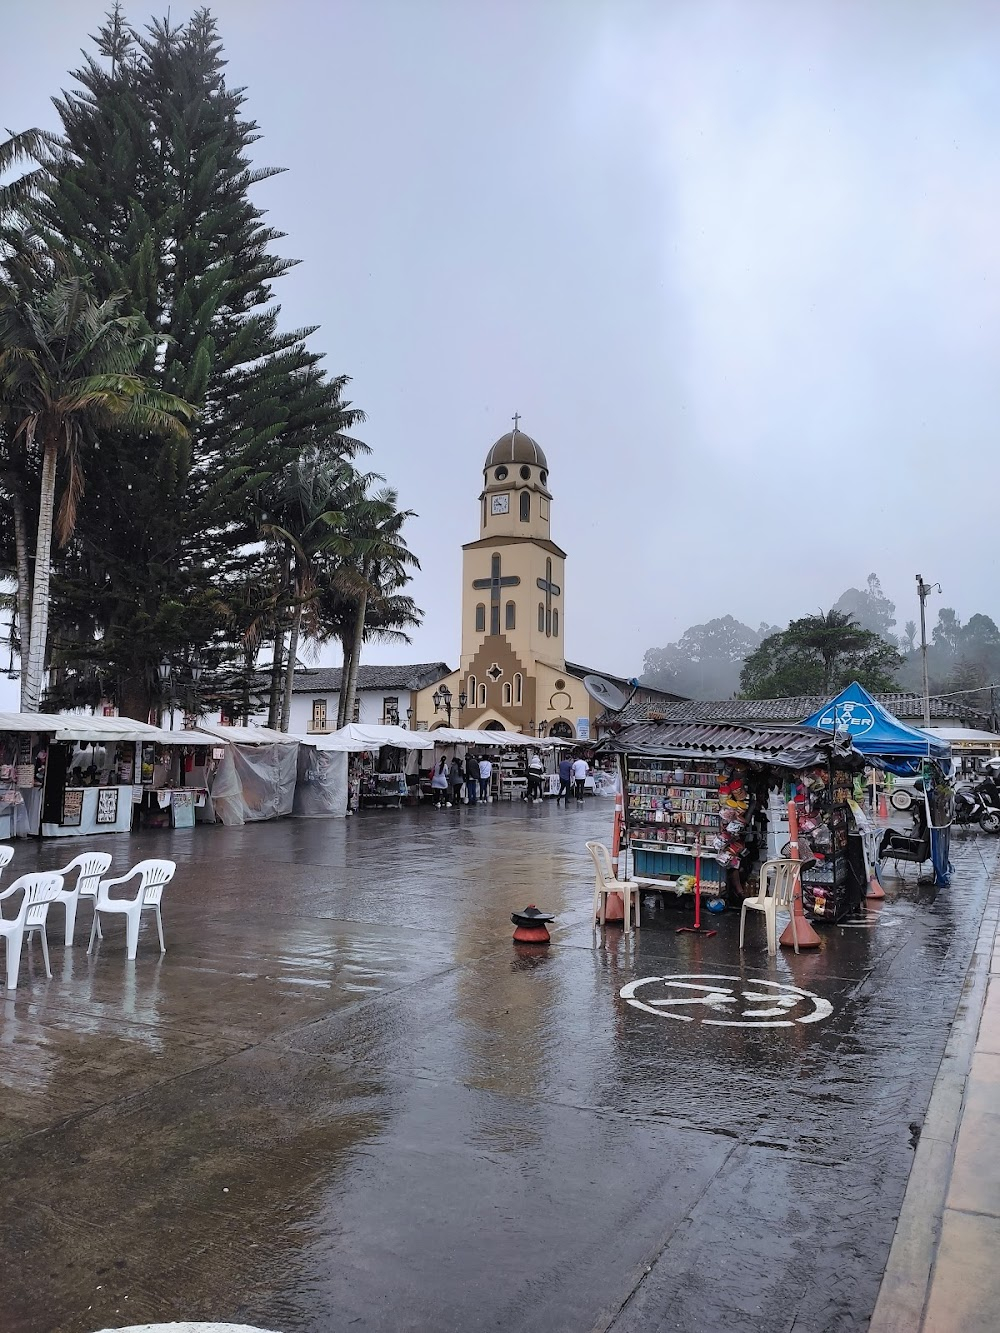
[{"x": 604, "y": 692}]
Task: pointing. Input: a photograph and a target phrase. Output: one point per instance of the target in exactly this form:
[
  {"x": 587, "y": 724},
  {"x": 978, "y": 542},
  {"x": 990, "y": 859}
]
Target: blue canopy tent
[{"x": 901, "y": 749}]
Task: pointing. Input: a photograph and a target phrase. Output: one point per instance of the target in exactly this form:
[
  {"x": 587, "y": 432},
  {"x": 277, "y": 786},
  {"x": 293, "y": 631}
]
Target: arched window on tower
[
  {"x": 506, "y": 694},
  {"x": 482, "y": 695},
  {"x": 541, "y": 617},
  {"x": 480, "y": 617},
  {"x": 471, "y": 692},
  {"x": 510, "y": 618},
  {"x": 518, "y": 687},
  {"x": 525, "y": 506},
  {"x": 555, "y": 623}
]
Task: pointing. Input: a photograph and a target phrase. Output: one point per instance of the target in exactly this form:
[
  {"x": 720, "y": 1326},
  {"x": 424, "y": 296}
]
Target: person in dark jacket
[
  {"x": 471, "y": 777},
  {"x": 565, "y": 778},
  {"x": 456, "y": 776}
]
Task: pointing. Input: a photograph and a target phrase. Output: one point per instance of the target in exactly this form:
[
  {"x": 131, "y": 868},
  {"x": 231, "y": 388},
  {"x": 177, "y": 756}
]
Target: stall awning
[
  {"x": 246, "y": 735},
  {"x": 361, "y": 736},
  {"x": 80, "y": 727},
  {"x": 873, "y": 729},
  {"x": 966, "y": 736},
  {"x": 785, "y": 747}
]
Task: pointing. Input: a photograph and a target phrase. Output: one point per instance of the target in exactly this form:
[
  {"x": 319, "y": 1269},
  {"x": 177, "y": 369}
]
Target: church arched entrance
[
  {"x": 493, "y": 726},
  {"x": 561, "y": 730}
]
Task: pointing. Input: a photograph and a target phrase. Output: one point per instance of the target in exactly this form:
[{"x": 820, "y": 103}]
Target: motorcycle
[{"x": 979, "y": 805}]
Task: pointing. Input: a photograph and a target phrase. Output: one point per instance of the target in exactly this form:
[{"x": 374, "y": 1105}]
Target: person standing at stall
[
  {"x": 439, "y": 784},
  {"x": 565, "y": 778},
  {"x": 485, "y": 773},
  {"x": 457, "y": 778},
  {"x": 471, "y": 777},
  {"x": 536, "y": 769},
  {"x": 579, "y": 776}
]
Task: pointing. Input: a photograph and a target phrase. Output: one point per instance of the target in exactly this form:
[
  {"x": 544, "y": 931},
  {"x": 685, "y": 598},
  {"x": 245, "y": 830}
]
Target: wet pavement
[{"x": 345, "y": 1100}]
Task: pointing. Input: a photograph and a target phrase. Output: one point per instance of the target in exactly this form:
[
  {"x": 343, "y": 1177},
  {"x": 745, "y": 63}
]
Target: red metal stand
[{"x": 697, "y": 928}]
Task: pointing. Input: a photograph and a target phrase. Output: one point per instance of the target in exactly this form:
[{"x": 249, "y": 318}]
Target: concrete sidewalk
[{"x": 942, "y": 1275}]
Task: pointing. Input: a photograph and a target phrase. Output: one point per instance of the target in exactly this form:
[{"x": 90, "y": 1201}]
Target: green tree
[
  {"x": 67, "y": 368},
  {"x": 870, "y": 608},
  {"x": 149, "y": 189},
  {"x": 818, "y": 655}
]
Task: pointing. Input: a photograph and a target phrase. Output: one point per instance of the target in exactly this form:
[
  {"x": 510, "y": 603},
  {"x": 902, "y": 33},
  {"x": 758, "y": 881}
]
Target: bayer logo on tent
[{"x": 855, "y": 718}]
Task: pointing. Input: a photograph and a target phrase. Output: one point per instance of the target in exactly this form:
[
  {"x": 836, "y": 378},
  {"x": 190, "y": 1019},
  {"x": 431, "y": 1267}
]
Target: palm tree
[
  {"x": 831, "y": 634},
  {"x": 67, "y": 369},
  {"x": 909, "y": 635}
]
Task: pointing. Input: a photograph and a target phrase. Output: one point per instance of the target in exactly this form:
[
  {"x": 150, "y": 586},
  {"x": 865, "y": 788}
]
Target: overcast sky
[{"x": 735, "y": 264}]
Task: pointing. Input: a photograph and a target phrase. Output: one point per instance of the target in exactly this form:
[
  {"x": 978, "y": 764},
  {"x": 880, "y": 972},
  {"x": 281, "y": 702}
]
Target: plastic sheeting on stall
[
  {"x": 321, "y": 785},
  {"x": 255, "y": 782}
]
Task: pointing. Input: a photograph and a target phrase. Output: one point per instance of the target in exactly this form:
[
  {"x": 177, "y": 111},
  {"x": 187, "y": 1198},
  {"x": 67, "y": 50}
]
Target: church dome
[{"x": 515, "y": 447}]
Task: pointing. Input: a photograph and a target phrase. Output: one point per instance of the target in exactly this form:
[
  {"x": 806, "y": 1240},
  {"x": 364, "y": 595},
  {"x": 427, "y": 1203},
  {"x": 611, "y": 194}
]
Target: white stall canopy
[{"x": 357, "y": 736}]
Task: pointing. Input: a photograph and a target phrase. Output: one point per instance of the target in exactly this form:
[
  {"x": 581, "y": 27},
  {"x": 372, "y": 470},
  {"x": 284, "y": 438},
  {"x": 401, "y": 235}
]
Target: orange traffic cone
[
  {"x": 804, "y": 935},
  {"x": 883, "y": 812},
  {"x": 614, "y": 908}
]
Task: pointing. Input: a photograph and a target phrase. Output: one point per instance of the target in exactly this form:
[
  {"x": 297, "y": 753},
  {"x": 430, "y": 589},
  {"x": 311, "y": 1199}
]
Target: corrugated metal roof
[
  {"x": 905, "y": 706},
  {"x": 787, "y": 747}
]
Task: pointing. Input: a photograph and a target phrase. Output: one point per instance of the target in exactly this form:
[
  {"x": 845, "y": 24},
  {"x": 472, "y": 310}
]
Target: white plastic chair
[
  {"x": 90, "y": 866},
  {"x": 6, "y": 856},
  {"x": 606, "y": 883},
  {"x": 153, "y": 875},
  {"x": 37, "y": 890},
  {"x": 778, "y": 881}
]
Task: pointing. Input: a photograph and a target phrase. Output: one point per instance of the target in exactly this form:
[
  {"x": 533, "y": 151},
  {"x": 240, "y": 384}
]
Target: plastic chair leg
[
  {"x": 45, "y": 950},
  {"x": 771, "y": 921},
  {"x": 93, "y": 929},
  {"x": 13, "y": 958},
  {"x": 743, "y": 922},
  {"x": 71, "y": 906},
  {"x": 597, "y": 907},
  {"x": 159, "y": 929},
  {"x": 627, "y": 908},
  {"x": 636, "y": 892},
  {"x": 132, "y": 934}
]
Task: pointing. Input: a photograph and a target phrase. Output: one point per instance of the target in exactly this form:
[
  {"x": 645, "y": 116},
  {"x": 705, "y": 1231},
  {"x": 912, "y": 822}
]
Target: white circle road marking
[
  {"x": 751, "y": 1005},
  {"x": 188, "y": 1327}
]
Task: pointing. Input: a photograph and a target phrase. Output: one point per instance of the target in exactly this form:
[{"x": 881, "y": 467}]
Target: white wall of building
[{"x": 372, "y": 704}]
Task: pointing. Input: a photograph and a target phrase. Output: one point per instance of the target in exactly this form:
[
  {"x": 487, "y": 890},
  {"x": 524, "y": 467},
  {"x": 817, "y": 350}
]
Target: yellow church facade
[{"x": 513, "y": 672}]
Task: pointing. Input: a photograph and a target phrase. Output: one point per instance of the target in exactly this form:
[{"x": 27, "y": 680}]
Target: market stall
[
  {"x": 255, "y": 778},
  {"x": 903, "y": 750},
  {"x": 383, "y": 765},
  {"x": 697, "y": 801},
  {"x": 66, "y": 774}
]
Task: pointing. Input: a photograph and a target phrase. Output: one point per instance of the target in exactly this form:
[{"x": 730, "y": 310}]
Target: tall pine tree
[{"x": 150, "y": 194}]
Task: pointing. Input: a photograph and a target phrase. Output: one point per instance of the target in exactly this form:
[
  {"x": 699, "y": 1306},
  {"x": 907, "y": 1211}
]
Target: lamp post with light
[
  {"x": 442, "y": 698},
  {"x": 169, "y": 679}
]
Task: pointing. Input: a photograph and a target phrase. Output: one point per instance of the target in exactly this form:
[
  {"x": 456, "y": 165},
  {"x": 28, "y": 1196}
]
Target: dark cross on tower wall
[
  {"x": 495, "y": 582},
  {"x": 550, "y": 590}
]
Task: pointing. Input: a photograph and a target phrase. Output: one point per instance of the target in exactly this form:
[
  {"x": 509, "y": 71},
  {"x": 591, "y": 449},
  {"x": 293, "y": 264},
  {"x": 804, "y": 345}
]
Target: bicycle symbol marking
[{"x": 727, "y": 1002}]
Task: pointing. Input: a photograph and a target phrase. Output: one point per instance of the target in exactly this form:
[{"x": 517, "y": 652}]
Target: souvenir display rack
[
  {"x": 828, "y": 884},
  {"x": 671, "y": 806}
]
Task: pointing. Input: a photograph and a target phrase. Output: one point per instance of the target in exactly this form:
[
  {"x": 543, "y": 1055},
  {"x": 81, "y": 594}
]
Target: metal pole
[{"x": 922, "y": 590}]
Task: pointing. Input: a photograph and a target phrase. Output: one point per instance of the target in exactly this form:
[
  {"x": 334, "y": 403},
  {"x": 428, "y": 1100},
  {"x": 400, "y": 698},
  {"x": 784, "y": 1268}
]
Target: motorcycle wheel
[
  {"x": 901, "y": 799},
  {"x": 990, "y": 822}
]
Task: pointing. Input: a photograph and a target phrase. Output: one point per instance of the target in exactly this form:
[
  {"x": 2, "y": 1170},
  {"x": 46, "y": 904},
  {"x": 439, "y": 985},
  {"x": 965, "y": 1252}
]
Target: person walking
[
  {"x": 485, "y": 774},
  {"x": 439, "y": 785},
  {"x": 580, "y": 769},
  {"x": 565, "y": 778},
  {"x": 471, "y": 777},
  {"x": 457, "y": 779},
  {"x": 535, "y": 771}
]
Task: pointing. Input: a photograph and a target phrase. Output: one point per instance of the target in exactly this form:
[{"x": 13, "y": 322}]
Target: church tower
[{"x": 513, "y": 579}]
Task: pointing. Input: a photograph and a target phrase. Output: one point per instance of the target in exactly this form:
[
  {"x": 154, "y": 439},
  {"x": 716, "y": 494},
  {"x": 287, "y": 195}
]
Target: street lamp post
[
  {"x": 442, "y": 700},
  {"x": 923, "y": 590},
  {"x": 169, "y": 677}
]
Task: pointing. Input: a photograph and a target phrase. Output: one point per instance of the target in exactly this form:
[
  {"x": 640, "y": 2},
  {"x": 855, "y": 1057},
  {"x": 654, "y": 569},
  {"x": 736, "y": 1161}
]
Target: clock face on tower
[{"x": 500, "y": 504}]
